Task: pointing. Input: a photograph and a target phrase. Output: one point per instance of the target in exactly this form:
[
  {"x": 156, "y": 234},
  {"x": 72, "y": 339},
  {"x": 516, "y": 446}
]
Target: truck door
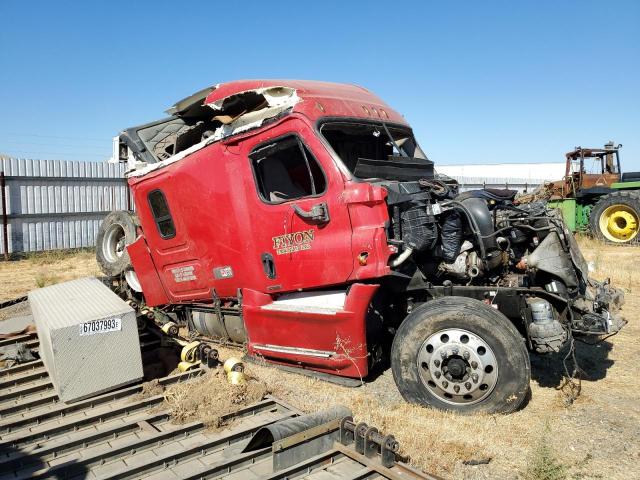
[
  {"x": 302, "y": 230},
  {"x": 174, "y": 253}
]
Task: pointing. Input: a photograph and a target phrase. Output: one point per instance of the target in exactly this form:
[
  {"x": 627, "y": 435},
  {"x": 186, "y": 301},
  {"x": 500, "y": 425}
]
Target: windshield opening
[{"x": 364, "y": 146}]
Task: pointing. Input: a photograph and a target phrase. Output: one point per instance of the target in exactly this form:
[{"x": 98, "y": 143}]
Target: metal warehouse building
[{"x": 517, "y": 176}]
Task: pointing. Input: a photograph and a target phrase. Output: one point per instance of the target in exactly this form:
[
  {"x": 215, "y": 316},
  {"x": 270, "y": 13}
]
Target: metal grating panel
[{"x": 123, "y": 434}]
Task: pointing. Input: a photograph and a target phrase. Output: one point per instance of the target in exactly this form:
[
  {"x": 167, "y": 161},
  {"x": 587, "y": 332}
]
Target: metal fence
[{"x": 55, "y": 204}]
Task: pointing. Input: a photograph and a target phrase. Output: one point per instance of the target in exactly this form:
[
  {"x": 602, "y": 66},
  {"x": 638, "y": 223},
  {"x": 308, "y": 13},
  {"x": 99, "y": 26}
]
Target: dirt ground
[
  {"x": 598, "y": 436},
  {"x": 36, "y": 270}
]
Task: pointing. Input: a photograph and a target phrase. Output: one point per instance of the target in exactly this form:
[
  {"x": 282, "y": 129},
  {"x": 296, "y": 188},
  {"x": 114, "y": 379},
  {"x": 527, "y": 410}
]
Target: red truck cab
[
  {"x": 302, "y": 219},
  {"x": 271, "y": 212}
]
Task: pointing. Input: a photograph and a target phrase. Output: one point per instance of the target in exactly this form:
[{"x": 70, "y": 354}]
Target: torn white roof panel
[
  {"x": 276, "y": 101},
  {"x": 274, "y": 96}
]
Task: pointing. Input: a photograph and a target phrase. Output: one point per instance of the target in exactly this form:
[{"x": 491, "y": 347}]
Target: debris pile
[{"x": 211, "y": 398}]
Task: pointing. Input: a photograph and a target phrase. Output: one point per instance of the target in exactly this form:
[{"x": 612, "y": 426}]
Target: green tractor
[{"x": 596, "y": 197}]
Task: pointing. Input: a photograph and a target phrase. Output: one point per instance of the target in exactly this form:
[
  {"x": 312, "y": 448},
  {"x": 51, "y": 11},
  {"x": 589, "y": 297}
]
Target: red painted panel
[
  {"x": 152, "y": 289},
  {"x": 223, "y": 225},
  {"x": 176, "y": 259},
  {"x": 343, "y": 334},
  {"x": 221, "y": 222},
  {"x": 369, "y": 217},
  {"x": 326, "y": 259}
]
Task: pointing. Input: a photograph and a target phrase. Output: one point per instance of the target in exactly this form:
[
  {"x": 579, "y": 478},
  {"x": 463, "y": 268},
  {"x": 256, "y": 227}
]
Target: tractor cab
[
  {"x": 589, "y": 168},
  {"x": 595, "y": 196}
]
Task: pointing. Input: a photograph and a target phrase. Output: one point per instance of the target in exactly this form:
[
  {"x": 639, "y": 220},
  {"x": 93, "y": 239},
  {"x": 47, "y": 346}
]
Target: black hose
[
  {"x": 474, "y": 225},
  {"x": 515, "y": 226}
]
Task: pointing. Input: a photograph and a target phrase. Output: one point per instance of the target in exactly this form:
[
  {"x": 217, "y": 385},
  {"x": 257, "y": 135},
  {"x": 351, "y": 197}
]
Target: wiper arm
[{"x": 393, "y": 142}]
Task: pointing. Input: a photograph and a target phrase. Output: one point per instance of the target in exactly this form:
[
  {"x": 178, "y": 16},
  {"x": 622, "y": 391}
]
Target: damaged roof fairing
[
  {"x": 193, "y": 102},
  {"x": 248, "y": 109},
  {"x": 227, "y": 109},
  {"x": 236, "y": 113},
  {"x": 321, "y": 99}
]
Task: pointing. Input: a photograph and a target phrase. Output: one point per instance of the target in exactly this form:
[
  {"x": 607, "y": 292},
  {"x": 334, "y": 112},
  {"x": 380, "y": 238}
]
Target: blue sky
[{"x": 481, "y": 82}]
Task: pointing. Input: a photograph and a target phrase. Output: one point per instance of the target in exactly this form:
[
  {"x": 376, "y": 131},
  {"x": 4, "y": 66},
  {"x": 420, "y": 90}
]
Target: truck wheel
[
  {"x": 616, "y": 217},
  {"x": 117, "y": 230},
  {"x": 459, "y": 354}
]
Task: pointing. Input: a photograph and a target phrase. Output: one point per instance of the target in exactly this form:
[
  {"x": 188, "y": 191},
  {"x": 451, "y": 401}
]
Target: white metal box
[{"x": 88, "y": 338}]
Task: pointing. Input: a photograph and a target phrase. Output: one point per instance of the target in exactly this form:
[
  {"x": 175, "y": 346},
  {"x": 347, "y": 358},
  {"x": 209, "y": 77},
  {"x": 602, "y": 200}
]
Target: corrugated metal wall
[{"x": 55, "y": 204}]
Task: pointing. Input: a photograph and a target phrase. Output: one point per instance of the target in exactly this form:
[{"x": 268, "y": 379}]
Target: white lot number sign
[{"x": 100, "y": 326}]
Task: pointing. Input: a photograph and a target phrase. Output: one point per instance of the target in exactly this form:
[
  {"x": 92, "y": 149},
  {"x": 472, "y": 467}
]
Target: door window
[
  {"x": 286, "y": 170},
  {"x": 161, "y": 214}
]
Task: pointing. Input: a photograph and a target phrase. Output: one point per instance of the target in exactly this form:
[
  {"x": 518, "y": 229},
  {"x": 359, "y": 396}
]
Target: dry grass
[
  {"x": 543, "y": 463},
  {"x": 210, "y": 398},
  {"x": 435, "y": 441},
  {"x": 619, "y": 263},
  {"x": 596, "y": 437},
  {"x": 18, "y": 277},
  {"x": 516, "y": 445},
  {"x": 149, "y": 389},
  {"x": 44, "y": 278}
]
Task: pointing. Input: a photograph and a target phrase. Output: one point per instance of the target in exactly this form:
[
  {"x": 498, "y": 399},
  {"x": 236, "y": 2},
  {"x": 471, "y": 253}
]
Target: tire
[
  {"x": 615, "y": 218},
  {"x": 476, "y": 333},
  {"x": 117, "y": 230}
]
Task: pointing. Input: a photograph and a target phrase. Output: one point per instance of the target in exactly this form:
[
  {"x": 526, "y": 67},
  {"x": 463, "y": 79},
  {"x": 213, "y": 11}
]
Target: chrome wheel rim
[
  {"x": 457, "y": 366},
  {"x": 114, "y": 243},
  {"x": 132, "y": 280}
]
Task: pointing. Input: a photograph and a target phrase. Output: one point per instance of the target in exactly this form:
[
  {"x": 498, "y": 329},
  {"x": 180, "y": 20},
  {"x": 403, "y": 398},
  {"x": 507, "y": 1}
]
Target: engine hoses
[
  {"x": 400, "y": 259},
  {"x": 474, "y": 225}
]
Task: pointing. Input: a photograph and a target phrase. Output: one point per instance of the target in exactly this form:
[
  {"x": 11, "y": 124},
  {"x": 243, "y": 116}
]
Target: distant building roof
[{"x": 534, "y": 172}]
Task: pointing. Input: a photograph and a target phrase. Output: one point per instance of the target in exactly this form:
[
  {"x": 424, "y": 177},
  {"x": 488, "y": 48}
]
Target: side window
[
  {"x": 285, "y": 170},
  {"x": 161, "y": 214}
]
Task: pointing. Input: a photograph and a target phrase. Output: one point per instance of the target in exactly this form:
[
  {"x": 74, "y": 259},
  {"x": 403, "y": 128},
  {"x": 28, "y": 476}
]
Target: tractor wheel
[
  {"x": 117, "y": 230},
  {"x": 462, "y": 355},
  {"x": 616, "y": 217}
]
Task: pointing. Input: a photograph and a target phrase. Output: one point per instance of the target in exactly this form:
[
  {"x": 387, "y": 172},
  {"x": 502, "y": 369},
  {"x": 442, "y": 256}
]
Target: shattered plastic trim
[
  {"x": 279, "y": 99},
  {"x": 275, "y": 96}
]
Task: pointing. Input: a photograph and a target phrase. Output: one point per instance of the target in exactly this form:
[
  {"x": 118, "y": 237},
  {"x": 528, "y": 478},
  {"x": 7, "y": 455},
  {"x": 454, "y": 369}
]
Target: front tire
[
  {"x": 459, "y": 354},
  {"x": 615, "y": 218},
  {"x": 116, "y": 231}
]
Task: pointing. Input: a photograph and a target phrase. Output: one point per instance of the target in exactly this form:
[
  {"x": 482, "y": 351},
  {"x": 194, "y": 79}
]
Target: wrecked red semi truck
[{"x": 302, "y": 219}]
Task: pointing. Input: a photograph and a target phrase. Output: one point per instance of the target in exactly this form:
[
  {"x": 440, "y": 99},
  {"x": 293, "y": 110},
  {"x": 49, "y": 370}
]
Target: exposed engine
[{"x": 481, "y": 238}]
